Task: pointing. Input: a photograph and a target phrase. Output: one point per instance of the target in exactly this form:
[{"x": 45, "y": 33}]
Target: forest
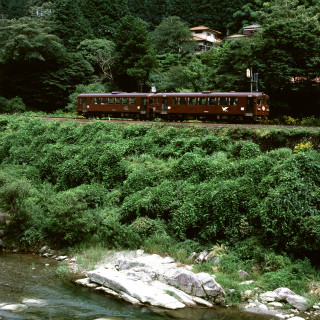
[{"x": 52, "y": 50}]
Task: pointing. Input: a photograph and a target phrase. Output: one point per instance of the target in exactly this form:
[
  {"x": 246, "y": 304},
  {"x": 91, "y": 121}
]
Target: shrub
[{"x": 71, "y": 220}]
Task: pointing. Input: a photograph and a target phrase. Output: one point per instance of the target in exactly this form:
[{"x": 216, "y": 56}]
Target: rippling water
[{"x": 29, "y": 277}]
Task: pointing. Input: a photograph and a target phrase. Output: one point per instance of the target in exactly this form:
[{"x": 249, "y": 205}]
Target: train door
[
  {"x": 164, "y": 105},
  {"x": 143, "y": 105},
  {"x": 249, "y": 111},
  {"x": 84, "y": 104}
]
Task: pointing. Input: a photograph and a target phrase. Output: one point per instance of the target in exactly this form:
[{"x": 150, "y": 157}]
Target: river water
[{"x": 32, "y": 277}]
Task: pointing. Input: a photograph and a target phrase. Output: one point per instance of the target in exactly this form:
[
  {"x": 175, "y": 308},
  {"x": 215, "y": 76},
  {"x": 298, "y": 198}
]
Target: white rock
[
  {"x": 86, "y": 283},
  {"x": 280, "y": 316},
  {"x": 296, "y": 318},
  {"x": 34, "y": 302},
  {"x": 202, "y": 302},
  {"x": 246, "y": 282},
  {"x": 61, "y": 258},
  {"x": 295, "y": 300},
  {"x": 269, "y": 296},
  {"x": 275, "y": 304},
  {"x": 263, "y": 307},
  {"x": 136, "y": 289},
  {"x": 14, "y": 307}
]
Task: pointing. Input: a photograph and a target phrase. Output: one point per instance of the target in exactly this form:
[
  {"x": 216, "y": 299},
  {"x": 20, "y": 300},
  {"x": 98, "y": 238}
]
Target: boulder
[
  {"x": 201, "y": 256},
  {"x": 136, "y": 289},
  {"x": 157, "y": 281},
  {"x": 269, "y": 296},
  {"x": 292, "y": 298}
]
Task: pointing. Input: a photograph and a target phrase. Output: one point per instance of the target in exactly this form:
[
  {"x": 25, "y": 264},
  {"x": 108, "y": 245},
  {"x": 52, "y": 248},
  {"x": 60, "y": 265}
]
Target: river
[{"x": 26, "y": 276}]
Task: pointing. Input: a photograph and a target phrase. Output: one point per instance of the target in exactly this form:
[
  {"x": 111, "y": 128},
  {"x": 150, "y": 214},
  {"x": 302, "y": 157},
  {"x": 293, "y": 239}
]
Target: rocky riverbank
[{"x": 145, "y": 279}]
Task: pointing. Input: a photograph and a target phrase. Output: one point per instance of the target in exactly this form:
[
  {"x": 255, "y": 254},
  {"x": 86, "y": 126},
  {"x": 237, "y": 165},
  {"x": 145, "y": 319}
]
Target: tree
[
  {"x": 288, "y": 52},
  {"x": 36, "y": 66},
  {"x": 227, "y": 65},
  {"x": 135, "y": 58},
  {"x": 100, "y": 53},
  {"x": 173, "y": 36},
  {"x": 69, "y": 23},
  {"x": 104, "y": 15}
]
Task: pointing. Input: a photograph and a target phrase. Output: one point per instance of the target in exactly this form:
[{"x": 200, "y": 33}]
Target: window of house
[
  {"x": 132, "y": 100},
  {"x": 182, "y": 101},
  {"x": 223, "y": 101},
  {"x": 233, "y": 101},
  {"x": 212, "y": 101},
  {"x": 202, "y": 101},
  {"x": 110, "y": 100}
]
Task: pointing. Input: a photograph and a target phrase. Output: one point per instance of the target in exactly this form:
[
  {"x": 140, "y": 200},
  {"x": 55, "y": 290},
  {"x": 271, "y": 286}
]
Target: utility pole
[{"x": 254, "y": 78}]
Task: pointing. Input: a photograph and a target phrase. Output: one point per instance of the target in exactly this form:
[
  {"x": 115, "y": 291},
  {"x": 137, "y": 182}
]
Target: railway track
[{"x": 208, "y": 125}]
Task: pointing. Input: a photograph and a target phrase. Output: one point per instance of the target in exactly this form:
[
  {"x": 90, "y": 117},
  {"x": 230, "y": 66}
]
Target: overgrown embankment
[{"x": 169, "y": 190}]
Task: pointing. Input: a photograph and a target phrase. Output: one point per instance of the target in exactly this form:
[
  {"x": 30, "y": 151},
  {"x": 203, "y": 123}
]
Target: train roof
[{"x": 175, "y": 94}]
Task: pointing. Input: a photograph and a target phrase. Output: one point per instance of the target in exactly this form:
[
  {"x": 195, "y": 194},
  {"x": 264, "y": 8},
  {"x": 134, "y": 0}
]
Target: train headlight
[{"x": 242, "y": 108}]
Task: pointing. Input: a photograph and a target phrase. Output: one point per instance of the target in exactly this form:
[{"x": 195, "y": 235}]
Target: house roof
[
  {"x": 204, "y": 28},
  {"x": 252, "y": 27}
]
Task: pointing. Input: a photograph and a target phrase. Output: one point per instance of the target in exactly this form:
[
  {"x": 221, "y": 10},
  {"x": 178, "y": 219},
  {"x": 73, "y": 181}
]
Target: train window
[
  {"x": 174, "y": 101},
  {"x": 110, "y": 100},
  {"x": 124, "y": 100},
  {"x": 96, "y": 100},
  {"x": 212, "y": 101},
  {"x": 233, "y": 101},
  {"x": 132, "y": 100},
  {"x": 202, "y": 101},
  {"x": 91, "y": 100},
  {"x": 259, "y": 101},
  {"x": 223, "y": 101},
  {"x": 182, "y": 101},
  {"x": 118, "y": 100},
  {"x": 151, "y": 100},
  {"x": 103, "y": 100},
  {"x": 192, "y": 101}
]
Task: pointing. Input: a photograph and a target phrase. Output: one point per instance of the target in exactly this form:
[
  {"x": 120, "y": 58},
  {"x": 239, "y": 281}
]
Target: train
[{"x": 205, "y": 105}]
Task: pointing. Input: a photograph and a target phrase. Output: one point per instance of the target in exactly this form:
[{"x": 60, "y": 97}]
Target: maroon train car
[{"x": 205, "y": 105}]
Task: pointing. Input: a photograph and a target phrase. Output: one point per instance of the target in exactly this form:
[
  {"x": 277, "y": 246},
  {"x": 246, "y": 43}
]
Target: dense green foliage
[
  {"x": 133, "y": 46},
  {"x": 64, "y": 183}
]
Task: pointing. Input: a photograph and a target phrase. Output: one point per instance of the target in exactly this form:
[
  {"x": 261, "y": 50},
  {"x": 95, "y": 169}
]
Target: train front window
[
  {"x": 202, "y": 101},
  {"x": 192, "y": 101},
  {"x": 110, "y": 101},
  {"x": 182, "y": 101},
  {"x": 233, "y": 101},
  {"x": 259, "y": 101},
  {"x": 212, "y": 101},
  {"x": 132, "y": 100},
  {"x": 223, "y": 101}
]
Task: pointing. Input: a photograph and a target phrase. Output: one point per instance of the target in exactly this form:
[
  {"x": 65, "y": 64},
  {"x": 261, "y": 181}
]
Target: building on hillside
[
  {"x": 248, "y": 31},
  {"x": 205, "y": 37}
]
